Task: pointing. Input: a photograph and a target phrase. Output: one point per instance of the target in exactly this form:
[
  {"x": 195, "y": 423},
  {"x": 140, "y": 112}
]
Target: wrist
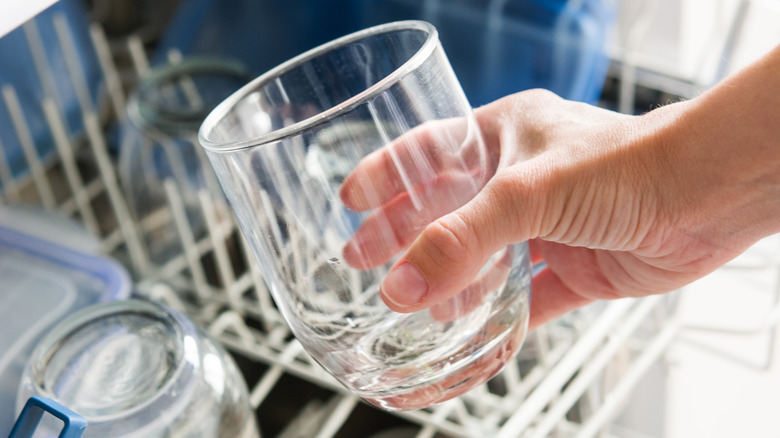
[{"x": 724, "y": 147}]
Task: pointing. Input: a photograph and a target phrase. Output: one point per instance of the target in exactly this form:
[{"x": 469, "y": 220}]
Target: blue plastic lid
[{"x": 73, "y": 424}]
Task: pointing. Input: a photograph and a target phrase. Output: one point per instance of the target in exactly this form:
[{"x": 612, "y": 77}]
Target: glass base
[{"x": 448, "y": 385}]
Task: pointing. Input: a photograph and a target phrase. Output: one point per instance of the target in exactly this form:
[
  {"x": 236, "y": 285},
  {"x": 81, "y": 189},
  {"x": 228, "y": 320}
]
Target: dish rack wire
[{"x": 571, "y": 379}]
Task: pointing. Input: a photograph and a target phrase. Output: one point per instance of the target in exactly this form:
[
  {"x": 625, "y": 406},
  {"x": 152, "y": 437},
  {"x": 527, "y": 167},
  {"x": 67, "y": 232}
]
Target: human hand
[{"x": 616, "y": 205}]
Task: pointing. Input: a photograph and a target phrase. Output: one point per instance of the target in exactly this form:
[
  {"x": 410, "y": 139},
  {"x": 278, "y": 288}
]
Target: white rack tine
[
  {"x": 594, "y": 366},
  {"x": 481, "y": 393},
  {"x": 261, "y": 293},
  {"x": 135, "y": 46},
  {"x": 42, "y": 67},
  {"x": 10, "y": 189},
  {"x": 339, "y": 414},
  {"x": 187, "y": 239},
  {"x": 163, "y": 293},
  {"x": 511, "y": 375},
  {"x": 425, "y": 418},
  {"x": 273, "y": 234},
  {"x": 441, "y": 411},
  {"x": 191, "y": 93},
  {"x": 266, "y": 384},
  {"x": 169, "y": 89},
  {"x": 224, "y": 266},
  {"x": 210, "y": 310},
  {"x": 278, "y": 335},
  {"x": 231, "y": 319},
  {"x": 113, "y": 82},
  {"x": 38, "y": 172},
  {"x": 462, "y": 415},
  {"x": 175, "y": 155},
  {"x": 209, "y": 177},
  {"x": 76, "y": 72},
  {"x": 108, "y": 174},
  {"x": 65, "y": 150},
  {"x": 529, "y": 381},
  {"x": 427, "y": 431},
  {"x": 311, "y": 373},
  {"x": 638, "y": 369},
  {"x": 305, "y": 422},
  {"x": 593, "y": 397},
  {"x": 187, "y": 84},
  {"x": 543, "y": 344},
  {"x": 174, "y": 56},
  {"x": 644, "y": 14},
  {"x": 565, "y": 369}
]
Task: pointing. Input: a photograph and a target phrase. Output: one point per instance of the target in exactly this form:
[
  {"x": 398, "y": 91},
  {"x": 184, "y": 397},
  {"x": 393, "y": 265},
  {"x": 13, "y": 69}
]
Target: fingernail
[
  {"x": 351, "y": 253},
  {"x": 404, "y": 285}
]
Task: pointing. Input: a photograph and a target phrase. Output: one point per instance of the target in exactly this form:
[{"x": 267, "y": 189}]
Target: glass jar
[
  {"x": 159, "y": 144},
  {"x": 137, "y": 369}
]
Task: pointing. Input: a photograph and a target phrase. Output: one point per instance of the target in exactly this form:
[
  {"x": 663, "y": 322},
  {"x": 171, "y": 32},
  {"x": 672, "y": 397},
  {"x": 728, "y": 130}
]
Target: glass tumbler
[
  {"x": 138, "y": 369},
  {"x": 333, "y": 162}
]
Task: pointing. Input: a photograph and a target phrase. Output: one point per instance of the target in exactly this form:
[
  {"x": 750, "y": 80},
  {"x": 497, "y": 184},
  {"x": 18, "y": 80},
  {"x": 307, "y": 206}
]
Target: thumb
[{"x": 449, "y": 253}]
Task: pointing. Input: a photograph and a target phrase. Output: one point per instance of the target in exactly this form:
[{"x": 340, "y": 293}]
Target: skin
[{"x": 616, "y": 205}]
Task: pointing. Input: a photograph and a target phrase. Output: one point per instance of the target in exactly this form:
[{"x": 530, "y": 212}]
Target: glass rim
[{"x": 219, "y": 113}]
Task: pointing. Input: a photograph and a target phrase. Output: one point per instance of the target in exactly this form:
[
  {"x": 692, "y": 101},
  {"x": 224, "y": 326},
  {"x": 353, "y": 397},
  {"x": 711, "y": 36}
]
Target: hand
[{"x": 616, "y": 205}]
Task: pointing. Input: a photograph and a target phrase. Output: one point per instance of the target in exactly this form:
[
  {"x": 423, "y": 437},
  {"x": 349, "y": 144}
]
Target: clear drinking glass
[
  {"x": 333, "y": 162},
  {"x": 137, "y": 369}
]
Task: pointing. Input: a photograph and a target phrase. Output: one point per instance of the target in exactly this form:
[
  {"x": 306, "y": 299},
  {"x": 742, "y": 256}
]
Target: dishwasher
[{"x": 75, "y": 179}]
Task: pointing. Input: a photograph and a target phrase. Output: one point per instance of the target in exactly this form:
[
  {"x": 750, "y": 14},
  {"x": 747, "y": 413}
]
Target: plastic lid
[{"x": 50, "y": 226}]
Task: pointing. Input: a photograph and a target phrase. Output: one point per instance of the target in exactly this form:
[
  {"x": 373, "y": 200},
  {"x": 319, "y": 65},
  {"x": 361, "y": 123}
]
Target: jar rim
[{"x": 146, "y": 114}]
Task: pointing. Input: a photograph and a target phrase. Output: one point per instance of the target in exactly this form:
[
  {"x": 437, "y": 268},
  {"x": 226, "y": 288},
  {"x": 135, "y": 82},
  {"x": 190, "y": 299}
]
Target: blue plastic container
[
  {"x": 498, "y": 48},
  {"x": 42, "y": 282},
  {"x": 259, "y": 33},
  {"x": 495, "y": 47}
]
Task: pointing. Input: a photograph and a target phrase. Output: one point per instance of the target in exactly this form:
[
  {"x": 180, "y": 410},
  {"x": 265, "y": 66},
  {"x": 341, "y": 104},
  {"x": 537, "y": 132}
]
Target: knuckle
[
  {"x": 508, "y": 191},
  {"x": 449, "y": 239},
  {"x": 539, "y": 94},
  {"x": 515, "y": 203}
]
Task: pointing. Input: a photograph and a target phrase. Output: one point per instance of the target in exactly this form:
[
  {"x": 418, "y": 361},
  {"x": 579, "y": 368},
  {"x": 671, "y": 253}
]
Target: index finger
[{"x": 414, "y": 159}]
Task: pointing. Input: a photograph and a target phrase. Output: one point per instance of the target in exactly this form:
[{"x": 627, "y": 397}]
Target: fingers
[
  {"x": 471, "y": 297},
  {"x": 395, "y": 225},
  {"x": 449, "y": 253},
  {"x": 414, "y": 159},
  {"x": 535, "y": 252},
  {"x": 551, "y": 299}
]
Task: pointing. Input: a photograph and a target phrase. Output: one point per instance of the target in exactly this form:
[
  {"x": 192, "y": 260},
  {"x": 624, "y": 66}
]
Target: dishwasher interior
[{"x": 63, "y": 161}]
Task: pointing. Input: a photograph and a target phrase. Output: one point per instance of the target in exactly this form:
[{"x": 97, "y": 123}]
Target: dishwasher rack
[{"x": 572, "y": 377}]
